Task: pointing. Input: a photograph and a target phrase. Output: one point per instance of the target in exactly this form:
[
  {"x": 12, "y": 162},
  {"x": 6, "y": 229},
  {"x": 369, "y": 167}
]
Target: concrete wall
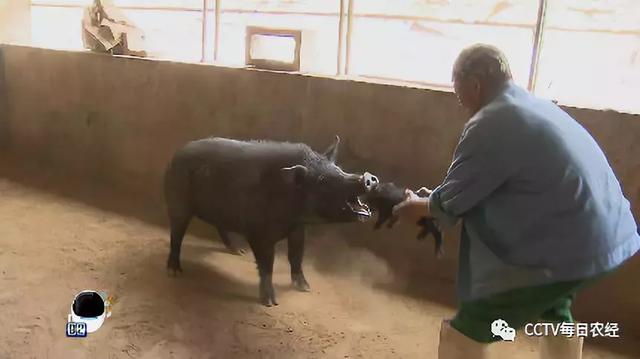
[
  {"x": 118, "y": 120},
  {"x": 4, "y": 121},
  {"x": 15, "y": 21}
]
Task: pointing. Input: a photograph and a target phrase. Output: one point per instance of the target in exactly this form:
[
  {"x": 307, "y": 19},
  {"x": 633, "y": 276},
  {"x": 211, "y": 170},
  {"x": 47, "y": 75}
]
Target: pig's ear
[
  {"x": 294, "y": 175},
  {"x": 332, "y": 152}
]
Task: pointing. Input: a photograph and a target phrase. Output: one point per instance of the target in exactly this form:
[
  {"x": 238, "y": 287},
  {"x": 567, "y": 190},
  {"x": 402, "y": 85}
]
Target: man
[{"x": 543, "y": 214}]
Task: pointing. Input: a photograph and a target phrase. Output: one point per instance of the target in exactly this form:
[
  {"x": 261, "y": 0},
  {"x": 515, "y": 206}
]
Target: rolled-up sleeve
[{"x": 483, "y": 160}]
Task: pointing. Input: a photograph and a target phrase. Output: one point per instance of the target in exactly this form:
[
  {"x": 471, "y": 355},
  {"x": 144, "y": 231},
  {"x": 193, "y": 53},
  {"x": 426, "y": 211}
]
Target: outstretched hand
[
  {"x": 424, "y": 192},
  {"x": 413, "y": 208}
]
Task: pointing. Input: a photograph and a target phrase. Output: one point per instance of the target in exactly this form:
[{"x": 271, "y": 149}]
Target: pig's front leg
[
  {"x": 264, "y": 253},
  {"x": 295, "y": 243}
]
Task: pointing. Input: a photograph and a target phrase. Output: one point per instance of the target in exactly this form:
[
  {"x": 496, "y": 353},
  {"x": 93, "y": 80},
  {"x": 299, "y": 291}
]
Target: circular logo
[{"x": 89, "y": 307}]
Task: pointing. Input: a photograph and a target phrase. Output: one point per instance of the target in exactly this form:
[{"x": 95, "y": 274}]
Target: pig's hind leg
[
  {"x": 226, "y": 240},
  {"x": 429, "y": 227},
  {"x": 178, "y": 228},
  {"x": 437, "y": 236},
  {"x": 179, "y": 210},
  {"x": 392, "y": 221}
]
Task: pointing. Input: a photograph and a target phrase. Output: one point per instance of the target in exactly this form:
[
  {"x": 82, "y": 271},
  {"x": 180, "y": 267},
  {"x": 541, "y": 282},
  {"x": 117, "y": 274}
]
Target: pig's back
[
  {"x": 225, "y": 176},
  {"x": 242, "y": 161}
]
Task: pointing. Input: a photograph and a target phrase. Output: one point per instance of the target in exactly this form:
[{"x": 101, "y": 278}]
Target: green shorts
[{"x": 545, "y": 303}]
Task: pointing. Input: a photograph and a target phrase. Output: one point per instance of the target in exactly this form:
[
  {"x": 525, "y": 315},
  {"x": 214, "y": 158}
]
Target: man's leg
[
  {"x": 517, "y": 308},
  {"x": 560, "y": 347},
  {"x": 455, "y": 345},
  {"x": 468, "y": 334},
  {"x": 560, "y": 312}
]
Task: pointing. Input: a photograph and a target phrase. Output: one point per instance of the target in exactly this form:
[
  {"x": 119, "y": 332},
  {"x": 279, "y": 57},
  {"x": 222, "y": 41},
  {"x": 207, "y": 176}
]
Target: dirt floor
[{"x": 51, "y": 247}]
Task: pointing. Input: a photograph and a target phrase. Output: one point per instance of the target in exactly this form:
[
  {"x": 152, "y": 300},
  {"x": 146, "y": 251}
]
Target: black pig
[
  {"x": 263, "y": 190},
  {"x": 383, "y": 197}
]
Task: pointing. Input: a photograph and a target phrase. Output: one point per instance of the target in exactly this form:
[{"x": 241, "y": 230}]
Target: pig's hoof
[
  {"x": 267, "y": 294},
  {"x": 268, "y": 302},
  {"x": 174, "y": 269},
  {"x": 236, "y": 251},
  {"x": 174, "y": 272},
  {"x": 300, "y": 283},
  {"x": 268, "y": 299}
]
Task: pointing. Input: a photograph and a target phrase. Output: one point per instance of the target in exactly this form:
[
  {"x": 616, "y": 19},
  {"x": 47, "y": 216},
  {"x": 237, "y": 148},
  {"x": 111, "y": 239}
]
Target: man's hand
[
  {"x": 413, "y": 208},
  {"x": 424, "y": 192}
]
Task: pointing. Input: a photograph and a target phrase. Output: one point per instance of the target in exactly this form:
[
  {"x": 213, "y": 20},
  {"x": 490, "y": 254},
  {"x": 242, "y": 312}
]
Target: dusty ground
[{"x": 52, "y": 247}]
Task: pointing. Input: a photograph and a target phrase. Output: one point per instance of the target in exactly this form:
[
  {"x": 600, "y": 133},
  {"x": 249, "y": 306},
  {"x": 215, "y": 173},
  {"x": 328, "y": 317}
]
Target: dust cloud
[{"x": 331, "y": 252}]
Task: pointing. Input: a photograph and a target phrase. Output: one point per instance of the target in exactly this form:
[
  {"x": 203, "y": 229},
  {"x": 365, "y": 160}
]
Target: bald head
[
  {"x": 484, "y": 61},
  {"x": 478, "y": 74}
]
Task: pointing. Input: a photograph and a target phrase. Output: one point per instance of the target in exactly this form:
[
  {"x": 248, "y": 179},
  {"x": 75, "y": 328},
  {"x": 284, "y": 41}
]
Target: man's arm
[
  {"x": 413, "y": 208},
  {"x": 486, "y": 156}
]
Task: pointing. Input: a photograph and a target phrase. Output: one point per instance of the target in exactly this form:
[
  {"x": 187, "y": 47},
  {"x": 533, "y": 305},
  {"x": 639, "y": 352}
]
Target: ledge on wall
[{"x": 372, "y": 80}]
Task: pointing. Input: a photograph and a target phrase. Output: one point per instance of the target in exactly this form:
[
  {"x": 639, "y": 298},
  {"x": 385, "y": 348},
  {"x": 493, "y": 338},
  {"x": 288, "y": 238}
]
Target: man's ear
[
  {"x": 294, "y": 175},
  {"x": 332, "y": 152},
  {"x": 476, "y": 85}
]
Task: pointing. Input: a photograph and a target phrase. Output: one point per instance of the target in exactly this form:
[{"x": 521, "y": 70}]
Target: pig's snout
[{"x": 369, "y": 180}]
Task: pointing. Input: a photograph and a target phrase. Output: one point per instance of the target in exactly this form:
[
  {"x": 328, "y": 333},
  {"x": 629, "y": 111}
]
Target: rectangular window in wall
[
  {"x": 418, "y": 41},
  {"x": 273, "y": 50},
  {"x": 317, "y": 22},
  {"x": 590, "y": 54},
  {"x": 172, "y": 28}
]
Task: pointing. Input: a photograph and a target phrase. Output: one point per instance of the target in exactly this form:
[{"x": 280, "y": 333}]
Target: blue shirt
[{"x": 538, "y": 199}]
